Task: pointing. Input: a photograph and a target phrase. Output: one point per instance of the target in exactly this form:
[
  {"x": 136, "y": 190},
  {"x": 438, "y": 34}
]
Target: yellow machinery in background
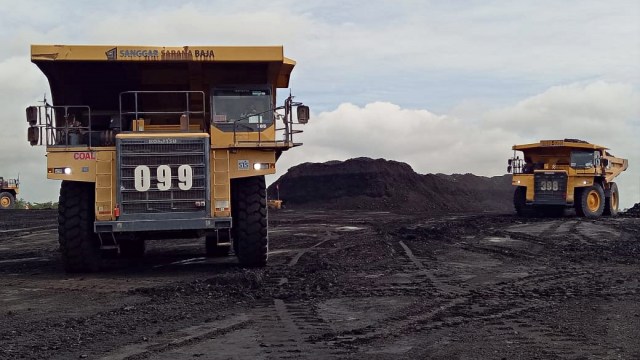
[
  {"x": 274, "y": 204},
  {"x": 552, "y": 175},
  {"x": 9, "y": 189},
  {"x": 163, "y": 142}
]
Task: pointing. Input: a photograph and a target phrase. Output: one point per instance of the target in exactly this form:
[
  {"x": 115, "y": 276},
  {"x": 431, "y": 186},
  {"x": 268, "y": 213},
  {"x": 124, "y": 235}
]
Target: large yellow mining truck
[
  {"x": 9, "y": 189},
  {"x": 552, "y": 175},
  {"x": 161, "y": 143}
]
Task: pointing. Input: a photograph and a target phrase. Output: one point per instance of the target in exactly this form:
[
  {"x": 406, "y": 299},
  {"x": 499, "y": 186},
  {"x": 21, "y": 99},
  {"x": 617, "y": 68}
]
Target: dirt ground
[{"x": 339, "y": 285}]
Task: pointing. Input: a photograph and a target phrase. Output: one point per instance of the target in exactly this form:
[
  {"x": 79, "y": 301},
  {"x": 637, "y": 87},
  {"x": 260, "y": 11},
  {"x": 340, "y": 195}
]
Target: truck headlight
[
  {"x": 260, "y": 166},
  {"x": 61, "y": 171}
]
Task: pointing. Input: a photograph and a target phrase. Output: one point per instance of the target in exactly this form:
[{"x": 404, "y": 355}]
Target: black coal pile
[
  {"x": 368, "y": 184},
  {"x": 634, "y": 211}
]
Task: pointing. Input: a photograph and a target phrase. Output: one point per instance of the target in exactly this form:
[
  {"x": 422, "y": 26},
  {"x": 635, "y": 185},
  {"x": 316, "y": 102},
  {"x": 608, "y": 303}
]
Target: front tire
[
  {"x": 612, "y": 202},
  {"x": 520, "y": 202},
  {"x": 590, "y": 202},
  {"x": 7, "y": 200},
  {"x": 249, "y": 205},
  {"x": 79, "y": 245}
]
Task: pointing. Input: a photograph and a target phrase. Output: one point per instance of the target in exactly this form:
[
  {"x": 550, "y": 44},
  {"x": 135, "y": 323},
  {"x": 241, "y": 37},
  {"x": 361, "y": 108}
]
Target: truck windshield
[
  {"x": 246, "y": 106},
  {"x": 582, "y": 159}
]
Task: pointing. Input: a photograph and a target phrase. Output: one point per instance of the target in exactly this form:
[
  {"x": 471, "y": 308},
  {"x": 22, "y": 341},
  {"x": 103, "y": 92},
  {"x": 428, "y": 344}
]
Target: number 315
[{"x": 142, "y": 177}]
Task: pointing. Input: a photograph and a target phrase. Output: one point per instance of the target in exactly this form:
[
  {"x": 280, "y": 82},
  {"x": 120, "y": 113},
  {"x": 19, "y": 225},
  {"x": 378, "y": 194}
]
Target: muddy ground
[{"x": 339, "y": 285}]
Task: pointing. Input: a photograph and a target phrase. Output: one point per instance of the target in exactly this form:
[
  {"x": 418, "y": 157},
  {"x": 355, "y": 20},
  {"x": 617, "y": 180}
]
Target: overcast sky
[{"x": 446, "y": 86}]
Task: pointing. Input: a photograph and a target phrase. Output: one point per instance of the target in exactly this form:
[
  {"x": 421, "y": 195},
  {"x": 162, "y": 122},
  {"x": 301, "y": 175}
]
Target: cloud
[{"x": 599, "y": 112}]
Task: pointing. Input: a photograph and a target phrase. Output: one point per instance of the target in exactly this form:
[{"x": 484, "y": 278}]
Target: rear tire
[
  {"x": 79, "y": 245},
  {"x": 249, "y": 205},
  {"x": 612, "y": 202},
  {"x": 590, "y": 202},
  {"x": 7, "y": 200}
]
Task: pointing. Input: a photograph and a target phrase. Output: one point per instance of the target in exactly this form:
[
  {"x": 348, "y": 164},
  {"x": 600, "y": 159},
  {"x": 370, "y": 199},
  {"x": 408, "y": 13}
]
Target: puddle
[
  {"x": 349, "y": 228},
  {"x": 496, "y": 239}
]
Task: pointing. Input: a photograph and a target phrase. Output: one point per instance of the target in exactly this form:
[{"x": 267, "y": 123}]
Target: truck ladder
[
  {"x": 104, "y": 185},
  {"x": 221, "y": 184}
]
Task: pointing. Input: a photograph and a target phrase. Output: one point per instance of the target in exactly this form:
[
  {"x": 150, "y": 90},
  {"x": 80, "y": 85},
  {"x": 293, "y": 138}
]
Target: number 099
[{"x": 142, "y": 177}]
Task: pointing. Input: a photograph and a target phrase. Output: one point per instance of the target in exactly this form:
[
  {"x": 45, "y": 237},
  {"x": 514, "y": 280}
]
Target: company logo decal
[{"x": 112, "y": 54}]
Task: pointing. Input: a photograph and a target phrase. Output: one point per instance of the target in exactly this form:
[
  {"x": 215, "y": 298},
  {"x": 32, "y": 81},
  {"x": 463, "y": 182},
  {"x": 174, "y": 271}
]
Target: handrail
[
  {"x": 46, "y": 124},
  {"x": 137, "y": 112},
  {"x": 287, "y": 119}
]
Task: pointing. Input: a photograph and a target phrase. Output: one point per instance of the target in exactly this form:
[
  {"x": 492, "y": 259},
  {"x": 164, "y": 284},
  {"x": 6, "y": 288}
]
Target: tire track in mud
[
  {"x": 506, "y": 300},
  {"x": 282, "y": 329},
  {"x": 286, "y": 328}
]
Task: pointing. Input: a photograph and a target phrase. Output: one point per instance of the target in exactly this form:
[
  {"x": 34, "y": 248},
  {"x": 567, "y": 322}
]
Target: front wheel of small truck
[
  {"x": 249, "y": 206},
  {"x": 79, "y": 245},
  {"x": 7, "y": 200},
  {"x": 590, "y": 201}
]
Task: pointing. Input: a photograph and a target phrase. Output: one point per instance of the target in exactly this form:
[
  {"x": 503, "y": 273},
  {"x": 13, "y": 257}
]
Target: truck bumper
[{"x": 162, "y": 225}]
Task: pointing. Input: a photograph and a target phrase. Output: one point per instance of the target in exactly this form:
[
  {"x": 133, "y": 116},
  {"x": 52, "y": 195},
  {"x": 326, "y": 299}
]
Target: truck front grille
[
  {"x": 550, "y": 188},
  {"x": 141, "y": 191}
]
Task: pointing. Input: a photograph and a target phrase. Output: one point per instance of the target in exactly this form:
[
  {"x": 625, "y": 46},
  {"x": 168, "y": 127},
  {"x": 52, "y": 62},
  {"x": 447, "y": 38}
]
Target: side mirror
[
  {"x": 509, "y": 169},
  {"x": 32, "y": 115},
  {"x": 303, "y": 114},
  {"x": 509, "y": 162},
  {"x": 33, "y": 135},
  {"x": 604, "y": 162}
]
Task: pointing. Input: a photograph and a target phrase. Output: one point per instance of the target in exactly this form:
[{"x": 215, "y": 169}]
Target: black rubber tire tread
[
  {"x": 250, "y": 226},
  {"x": 609, "y": 208},
  {"x": 79, "y": 245},
  {"x": 520, "y": 201},
  {"x": 581, "y": 202},
  {"x": 132, "y": 248},
  {"x": 12, "y": 200},
  {"x": 213, "y": 249}
]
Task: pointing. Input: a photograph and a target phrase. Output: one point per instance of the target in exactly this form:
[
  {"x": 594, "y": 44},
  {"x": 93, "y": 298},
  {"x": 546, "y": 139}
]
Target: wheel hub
[
  {"x": 593, "y": 201},
  {"x": 5, "y": 201}
]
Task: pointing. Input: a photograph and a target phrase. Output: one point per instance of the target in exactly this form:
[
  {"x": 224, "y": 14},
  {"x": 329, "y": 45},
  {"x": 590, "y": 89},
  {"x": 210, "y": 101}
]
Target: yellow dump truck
[
  {"x": 9, "y": 189},
  {"x": 161, "y": 143},
  {"x": 552, "y": 175}
]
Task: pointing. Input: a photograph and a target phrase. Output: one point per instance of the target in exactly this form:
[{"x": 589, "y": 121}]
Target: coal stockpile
[
  {"x": 379, "y": 184},
  {"x": 634, "y": 211}
]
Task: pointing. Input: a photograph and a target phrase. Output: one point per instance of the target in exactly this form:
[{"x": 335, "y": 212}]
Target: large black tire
[
  {"x": 132, "y": 248},
  {"x": 7, "y": 200},
  {"x": 211, "y": 243},
  {"x": 520, "y": 201},
  {"x": 612, "y": 202},
  {"x": 250, "y": 235},
  {"x": 590, "y": 201},
  {"x": 79, "y": 245}
]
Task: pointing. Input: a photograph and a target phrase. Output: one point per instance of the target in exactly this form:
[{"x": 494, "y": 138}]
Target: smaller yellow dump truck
[
  {"x": 553, "y": 175},
  {"x": 9, "y": 188}
]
